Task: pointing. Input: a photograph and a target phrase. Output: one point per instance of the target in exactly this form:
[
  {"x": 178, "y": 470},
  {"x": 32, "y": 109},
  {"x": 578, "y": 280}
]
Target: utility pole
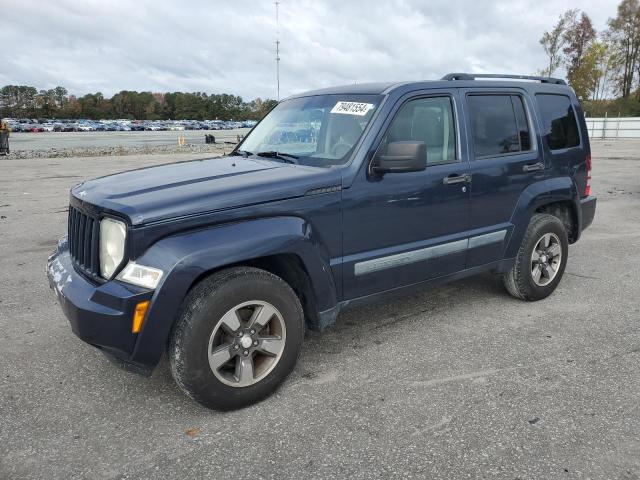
[{"x": 277, "y": 50}]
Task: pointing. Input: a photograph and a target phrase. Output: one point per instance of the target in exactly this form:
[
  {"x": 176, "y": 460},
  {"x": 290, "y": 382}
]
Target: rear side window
[
  {"x": 558, "y": 121},
  {"x": 499, "y": 125}
]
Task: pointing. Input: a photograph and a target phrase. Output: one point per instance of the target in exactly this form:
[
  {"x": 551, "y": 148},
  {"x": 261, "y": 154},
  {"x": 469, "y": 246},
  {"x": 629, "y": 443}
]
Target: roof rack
[{"x": 473, "y": 76}]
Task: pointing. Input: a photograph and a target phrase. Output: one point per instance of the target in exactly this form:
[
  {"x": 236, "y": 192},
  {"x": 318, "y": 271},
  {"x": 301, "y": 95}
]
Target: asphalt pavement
[{"x": 460, "y": 381}]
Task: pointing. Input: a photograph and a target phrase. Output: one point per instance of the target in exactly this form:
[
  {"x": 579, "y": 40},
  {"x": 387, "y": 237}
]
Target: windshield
[{"x": 321, "y": 130}]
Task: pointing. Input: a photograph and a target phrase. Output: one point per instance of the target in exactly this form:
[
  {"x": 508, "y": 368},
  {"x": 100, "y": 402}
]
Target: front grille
[{"x": 83, "y": 241}]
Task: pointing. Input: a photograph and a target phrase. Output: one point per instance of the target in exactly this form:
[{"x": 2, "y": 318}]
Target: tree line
[
  {"x": 21, "y": 101},
  {"x": 602, "y": 67}
]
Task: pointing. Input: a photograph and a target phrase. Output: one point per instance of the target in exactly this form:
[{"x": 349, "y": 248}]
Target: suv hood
[{"x": 200, "y": 186}]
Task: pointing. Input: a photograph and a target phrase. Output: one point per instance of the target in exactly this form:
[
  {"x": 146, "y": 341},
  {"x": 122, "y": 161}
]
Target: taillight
[{"x": 587, "y": 188}]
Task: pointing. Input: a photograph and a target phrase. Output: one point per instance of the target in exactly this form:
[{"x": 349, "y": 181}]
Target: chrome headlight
[{"x": 113, "y": 234}]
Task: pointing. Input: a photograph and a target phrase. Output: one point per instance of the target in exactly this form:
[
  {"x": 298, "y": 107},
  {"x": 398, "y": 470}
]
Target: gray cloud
[{"x": 201, "y": 45}]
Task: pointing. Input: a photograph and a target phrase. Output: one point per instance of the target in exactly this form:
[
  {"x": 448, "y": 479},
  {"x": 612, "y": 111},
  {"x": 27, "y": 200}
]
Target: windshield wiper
[
  {"x": 287, "y": 157},
  {"x": 244, "y": 153}
]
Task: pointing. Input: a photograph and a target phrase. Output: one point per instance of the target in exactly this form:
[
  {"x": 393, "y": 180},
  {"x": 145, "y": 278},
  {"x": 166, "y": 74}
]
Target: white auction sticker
[{"x": 352, "y": 108}]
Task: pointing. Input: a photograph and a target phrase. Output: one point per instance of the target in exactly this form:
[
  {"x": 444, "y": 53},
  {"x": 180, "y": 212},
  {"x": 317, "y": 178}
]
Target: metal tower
[{"x": 277, "y": 50}]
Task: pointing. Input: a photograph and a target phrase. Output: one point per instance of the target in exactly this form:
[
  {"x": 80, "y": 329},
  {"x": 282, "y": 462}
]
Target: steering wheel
[{"x": 340, "y": 149}]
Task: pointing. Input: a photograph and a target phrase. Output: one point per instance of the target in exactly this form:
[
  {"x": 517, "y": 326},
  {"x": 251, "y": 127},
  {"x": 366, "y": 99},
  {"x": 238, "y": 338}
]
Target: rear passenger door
[{"x": 505, "y": 159}]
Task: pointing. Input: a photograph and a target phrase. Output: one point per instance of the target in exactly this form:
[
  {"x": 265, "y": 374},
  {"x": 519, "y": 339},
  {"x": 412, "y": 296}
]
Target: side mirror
[{"x": 400, "y": 157}]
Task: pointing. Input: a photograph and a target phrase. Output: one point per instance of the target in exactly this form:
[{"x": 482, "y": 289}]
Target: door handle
[
  {"x": 455, "y": 178},
  {"x": 533, "y": 167}
]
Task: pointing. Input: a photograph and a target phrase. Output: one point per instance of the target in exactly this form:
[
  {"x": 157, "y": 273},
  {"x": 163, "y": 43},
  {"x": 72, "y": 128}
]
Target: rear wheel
[
  {"x": 237, "y": 338},
  {"x": 541, "y": 259}
]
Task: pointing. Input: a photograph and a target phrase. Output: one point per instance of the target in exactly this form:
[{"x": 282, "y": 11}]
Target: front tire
[
  {"x": 540, "y": 261},
  {"x": 237, "y": 337}
]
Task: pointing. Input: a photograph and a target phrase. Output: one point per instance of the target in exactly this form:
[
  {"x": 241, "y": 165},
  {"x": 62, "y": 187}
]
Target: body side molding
[{"x": 421, "y": 254}]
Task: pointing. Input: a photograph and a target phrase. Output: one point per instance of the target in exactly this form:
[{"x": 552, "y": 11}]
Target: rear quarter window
[{"x": 559, "y": 124}]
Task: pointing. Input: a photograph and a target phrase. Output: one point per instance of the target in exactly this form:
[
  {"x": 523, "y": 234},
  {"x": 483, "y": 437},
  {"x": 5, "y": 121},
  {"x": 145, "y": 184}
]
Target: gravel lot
[
  {"x": 461, "y": 381},
  {"x": 46, "y": 140}
]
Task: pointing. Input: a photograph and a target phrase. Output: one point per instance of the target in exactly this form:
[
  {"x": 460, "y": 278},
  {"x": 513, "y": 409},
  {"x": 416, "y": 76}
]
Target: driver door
[{"x": 404, "y": 228}]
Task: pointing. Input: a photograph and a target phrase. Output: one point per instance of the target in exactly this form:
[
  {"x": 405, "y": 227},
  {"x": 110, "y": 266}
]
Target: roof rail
[{"x": 473, "y": 76}]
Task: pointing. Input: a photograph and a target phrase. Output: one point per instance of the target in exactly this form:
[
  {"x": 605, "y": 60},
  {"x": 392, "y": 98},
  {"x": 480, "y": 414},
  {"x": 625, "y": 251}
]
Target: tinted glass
[
  {"x": 499, "y": 125},
  {"x": 428, "y": 120},
  {"x": 558, "y": 121},
  {"x": 521, "y": 122}
]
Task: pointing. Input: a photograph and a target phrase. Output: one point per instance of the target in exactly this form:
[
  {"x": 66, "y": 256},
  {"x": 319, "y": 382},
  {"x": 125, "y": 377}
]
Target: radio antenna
[{"x": 277, "y": 50}]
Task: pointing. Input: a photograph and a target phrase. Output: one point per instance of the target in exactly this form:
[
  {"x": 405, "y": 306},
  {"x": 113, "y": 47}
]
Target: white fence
[{"x": 618, "y": 127}]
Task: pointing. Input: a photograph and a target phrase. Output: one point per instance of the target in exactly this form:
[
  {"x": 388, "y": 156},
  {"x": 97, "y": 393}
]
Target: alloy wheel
[
  {"x": 545, "y": 259},
  {"x": 247, "y": 343}
]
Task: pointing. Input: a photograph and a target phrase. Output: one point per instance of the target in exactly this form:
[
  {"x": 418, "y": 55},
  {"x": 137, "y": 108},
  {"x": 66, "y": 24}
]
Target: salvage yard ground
[
  {"x": 46, "y": 140},
  {"x": 461, "y": 381}
]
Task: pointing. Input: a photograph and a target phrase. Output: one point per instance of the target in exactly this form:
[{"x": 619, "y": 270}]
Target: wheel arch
[
  {"x": 285, "y": 246},
  {"x": 566, "y": 212},
  {"x": 290, "y": 268},
  {"x": 556, "y": 196}
]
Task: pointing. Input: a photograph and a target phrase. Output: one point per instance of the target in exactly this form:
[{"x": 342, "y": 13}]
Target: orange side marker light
[{"x": 138, "y": 316}]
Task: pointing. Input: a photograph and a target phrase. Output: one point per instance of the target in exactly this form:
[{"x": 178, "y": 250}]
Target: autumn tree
[
  {"x": 624, "y": 31},
  {"x": 605, "y": 60},
  {"x": 94, "y": 105},
  {"x": 553, "y": 41},
  {"x": 60, "y": 96},
  {"x": 46, "y": 102},
  {"x": 72, "y": 108},
  {"x": 590, "y": 76},
  {"x": 577, "y": 38},
  {"x": 18, "y": 101},
  {"x": 259, "y": 107}
]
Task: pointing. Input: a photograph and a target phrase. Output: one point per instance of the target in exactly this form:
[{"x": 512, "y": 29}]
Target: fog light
[{"x": 138, "y": 316}]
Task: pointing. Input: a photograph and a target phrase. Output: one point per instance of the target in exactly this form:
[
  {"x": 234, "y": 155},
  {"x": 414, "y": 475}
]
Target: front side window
[
  {"x": 499, "y": 124},
  {"x": 429, "y": 120},
  {"x": 559, "y": 121},
  {"x": 320, "y": 130}
]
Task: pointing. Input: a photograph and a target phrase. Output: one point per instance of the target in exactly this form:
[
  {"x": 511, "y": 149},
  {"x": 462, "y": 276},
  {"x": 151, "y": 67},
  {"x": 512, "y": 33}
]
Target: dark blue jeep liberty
[{"x": 338, "y": 196}]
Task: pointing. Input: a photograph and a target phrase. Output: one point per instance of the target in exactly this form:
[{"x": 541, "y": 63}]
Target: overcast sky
[{"x": 228, "y": 46}]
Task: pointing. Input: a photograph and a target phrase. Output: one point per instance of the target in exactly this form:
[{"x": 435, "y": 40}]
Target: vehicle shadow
[{"x": 383, "y": 318}]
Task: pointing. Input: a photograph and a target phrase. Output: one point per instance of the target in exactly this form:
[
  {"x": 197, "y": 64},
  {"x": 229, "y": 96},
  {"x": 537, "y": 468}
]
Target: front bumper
[
  {"x": 100, "y": 314},
  {"x": 588, "y": 207}
]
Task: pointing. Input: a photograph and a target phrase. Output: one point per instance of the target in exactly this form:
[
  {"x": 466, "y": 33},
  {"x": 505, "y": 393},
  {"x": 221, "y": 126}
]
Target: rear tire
[
  {"x": 540, "y": 261},
  {"x": 237, "y": 337}
]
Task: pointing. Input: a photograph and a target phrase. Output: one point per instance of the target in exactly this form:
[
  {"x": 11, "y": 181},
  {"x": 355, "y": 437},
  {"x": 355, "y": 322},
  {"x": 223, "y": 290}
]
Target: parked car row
[{"x": 47, "y": 125}]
